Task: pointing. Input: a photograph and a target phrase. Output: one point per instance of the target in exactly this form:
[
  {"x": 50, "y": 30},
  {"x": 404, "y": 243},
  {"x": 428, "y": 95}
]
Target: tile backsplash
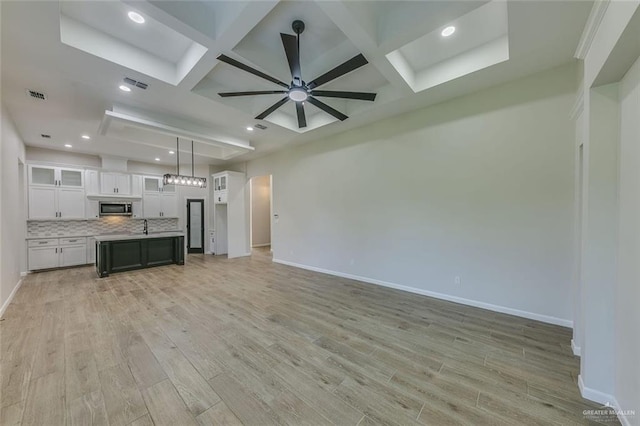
[{"x": 104, "y": 225}]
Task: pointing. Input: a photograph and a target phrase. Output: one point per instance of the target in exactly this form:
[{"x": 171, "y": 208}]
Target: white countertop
[
  {"x": 120, "y": 237},
  {"x": 48, "y": 237},
  {"x": 85, "y": 235}
]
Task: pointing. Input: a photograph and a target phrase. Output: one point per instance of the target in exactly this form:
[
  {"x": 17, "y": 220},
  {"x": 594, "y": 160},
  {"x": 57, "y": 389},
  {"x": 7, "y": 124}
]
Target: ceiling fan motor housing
[{"x": 298, "y": 26}]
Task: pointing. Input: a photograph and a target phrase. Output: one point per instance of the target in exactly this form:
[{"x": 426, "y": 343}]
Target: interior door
[{"x": 195, "y": 226}]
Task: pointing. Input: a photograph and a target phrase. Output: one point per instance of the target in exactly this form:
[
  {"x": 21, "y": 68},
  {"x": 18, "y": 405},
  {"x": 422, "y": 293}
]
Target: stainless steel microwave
[{"x": 111, "y": 208}]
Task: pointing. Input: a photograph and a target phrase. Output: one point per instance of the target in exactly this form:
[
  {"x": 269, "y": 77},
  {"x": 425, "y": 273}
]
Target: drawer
[
  {"x": 43, "y": 242},
  {"x": 73, "y": 241}
]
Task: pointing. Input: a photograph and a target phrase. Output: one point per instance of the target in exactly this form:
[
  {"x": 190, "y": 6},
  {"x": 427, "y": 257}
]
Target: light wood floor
[{"x": 224, "y": 342}]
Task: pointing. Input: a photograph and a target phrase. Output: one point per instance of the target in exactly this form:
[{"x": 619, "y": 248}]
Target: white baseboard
[
  {"x": 11, "y": 296},
  {"x": 594, "y": 395},
  {"x": 575, "y": 348},
  {"x": 496, "y": 308},
  {"x": 624, "y": 420},
  {"x": 261, "y": 245},
  {"x": 603, "y": 398}
]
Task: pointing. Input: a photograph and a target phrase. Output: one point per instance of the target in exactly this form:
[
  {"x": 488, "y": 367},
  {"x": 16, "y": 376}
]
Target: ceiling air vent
[
  {"x": 37, "y": 95},
  {"x": 45, "y": 136},
  {"x": 136, "y": 83},
  {"x": 260, "y": 126}
]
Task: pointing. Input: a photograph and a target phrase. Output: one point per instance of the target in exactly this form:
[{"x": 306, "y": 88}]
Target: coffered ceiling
[{"x": 78, "y": 53}]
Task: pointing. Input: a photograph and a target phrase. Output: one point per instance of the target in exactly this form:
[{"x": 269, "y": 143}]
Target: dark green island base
[{"x": 118, "y": 253}]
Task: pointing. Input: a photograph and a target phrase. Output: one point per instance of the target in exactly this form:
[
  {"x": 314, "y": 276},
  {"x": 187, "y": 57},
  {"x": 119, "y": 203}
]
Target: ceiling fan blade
[
  {"x": 302, "y": 119},
  {"x": 272, "y": 108},
  {"x": 248, "y": 69},
  {"x": 326, "y": 108},
  {"x": 340, "y": 70},
  {"x": 362, "y": 96},
  {"x": 291, "y": 48},
  {"x": 256, "y": 92}
]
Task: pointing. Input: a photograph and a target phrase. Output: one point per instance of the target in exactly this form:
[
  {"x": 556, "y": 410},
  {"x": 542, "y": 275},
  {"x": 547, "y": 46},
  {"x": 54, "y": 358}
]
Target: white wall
[
  {"x": 480, "y": 187},
  {"x": 12, "y": 210},
  {"x": 599, "y": 238},
  {"x": 627, "y": 293},
  {"x": 260, "y": 211},
  {"x": 36, "y": 154},
  {"x": 610, "y": 289}
]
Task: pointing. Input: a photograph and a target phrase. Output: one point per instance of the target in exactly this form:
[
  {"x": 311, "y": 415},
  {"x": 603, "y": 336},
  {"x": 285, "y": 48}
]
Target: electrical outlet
[{"x": 457, "y": 280}]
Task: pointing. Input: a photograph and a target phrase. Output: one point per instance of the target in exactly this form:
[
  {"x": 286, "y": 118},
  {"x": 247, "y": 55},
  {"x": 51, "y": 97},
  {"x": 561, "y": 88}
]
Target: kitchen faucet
[{"x": 146, "y": 229}]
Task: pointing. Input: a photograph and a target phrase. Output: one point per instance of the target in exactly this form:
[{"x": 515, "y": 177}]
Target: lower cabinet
[
  {"x": 43, "y": 258},
  {"x": 73, "y": 251},
  {"x": 56, "y": 252}
]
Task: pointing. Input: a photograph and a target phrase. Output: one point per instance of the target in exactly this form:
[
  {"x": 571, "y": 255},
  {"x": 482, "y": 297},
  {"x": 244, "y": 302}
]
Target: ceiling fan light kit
[
  {"x": 178, "y": 179},
  {"x": 298, "y": 91}
]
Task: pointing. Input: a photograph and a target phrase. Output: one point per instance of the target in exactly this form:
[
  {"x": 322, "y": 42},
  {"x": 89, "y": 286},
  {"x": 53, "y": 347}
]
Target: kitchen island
[{"x": 126, "y": 252}]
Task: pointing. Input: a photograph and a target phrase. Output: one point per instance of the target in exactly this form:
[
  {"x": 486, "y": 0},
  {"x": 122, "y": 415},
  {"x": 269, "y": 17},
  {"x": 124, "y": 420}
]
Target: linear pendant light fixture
[{"x": 178, "y": 179}]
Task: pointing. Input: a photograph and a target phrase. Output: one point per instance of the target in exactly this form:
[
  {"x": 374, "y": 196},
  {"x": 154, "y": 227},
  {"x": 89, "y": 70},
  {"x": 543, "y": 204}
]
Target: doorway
[
  {"x": 260, "y": 212},
  {"x": 195, "y": 225}
]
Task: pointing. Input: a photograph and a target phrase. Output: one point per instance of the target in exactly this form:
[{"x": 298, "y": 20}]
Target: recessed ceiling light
[
  {"x": 249, "y": 128},
  {"x": 124, "y": 88},
  {"x": 86, "y": 137},
  {"x": 157, "y": 159},
  {"x": 66, "y": 145},
  {"x": 172, "y": 152},
  {"x": 136, "y": 17},
  {"x": 448, "y": 31}
]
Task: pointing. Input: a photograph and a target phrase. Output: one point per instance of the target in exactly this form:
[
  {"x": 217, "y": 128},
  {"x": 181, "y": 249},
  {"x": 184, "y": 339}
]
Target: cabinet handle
[
  {"x": 42, "y": 242},
  {"x": 60, "y": 249},
  {"x": 56, "y": 249},
  {"x": 72, "y": 241}
]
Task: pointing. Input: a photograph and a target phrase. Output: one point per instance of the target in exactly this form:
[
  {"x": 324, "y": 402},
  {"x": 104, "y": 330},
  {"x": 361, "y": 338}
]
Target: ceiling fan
[{"x": 300, "y": 91}]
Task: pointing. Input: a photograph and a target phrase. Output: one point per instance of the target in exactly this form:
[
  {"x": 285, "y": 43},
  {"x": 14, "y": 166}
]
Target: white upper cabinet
[
  {"x": 56, "y": 193},
  {"x": 92, "y": 182},
  {"x": 71, "y": 203},
  {"x": 152, "y": 205},
  {"x": 56, "y": 176},
  {"x": 43, "y": 203},
  {"x": 158, "y": 200},
  {"x": 220, "y": 188},
  {"x": 154, "y": 184},
  {"x": 136, "y": 185},
  {"x": 169, "y": 205},
  {"x": 115, "y": 183}
]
